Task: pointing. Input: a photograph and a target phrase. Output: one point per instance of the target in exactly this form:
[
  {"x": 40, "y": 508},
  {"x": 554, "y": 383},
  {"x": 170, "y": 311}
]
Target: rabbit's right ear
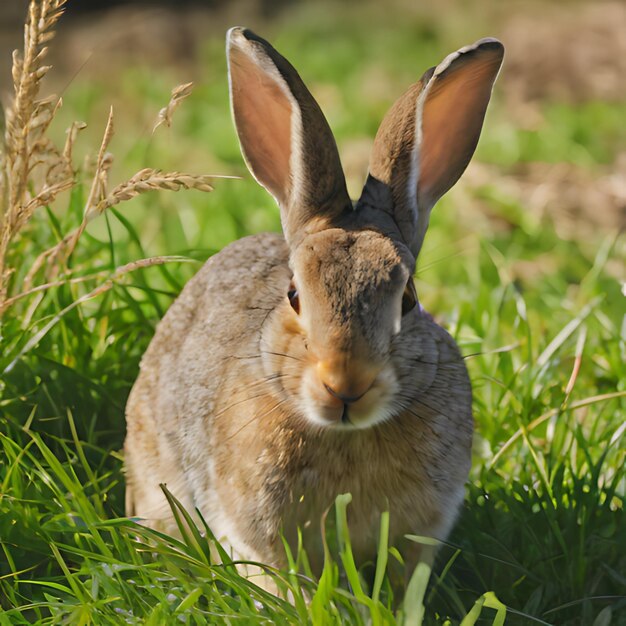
[
  {"x": 428, "y": 137},
  {"x": 285, "y": 139}
]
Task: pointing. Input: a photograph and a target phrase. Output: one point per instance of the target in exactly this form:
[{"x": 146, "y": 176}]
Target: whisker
[
  {"x": 234, "y": 404},
  {"x": 507, "y": 348},
  {"x": 412, "y": 401},
  {"x": 245, "y": 392},
  {"x": 255, "y": 417},
  {"x": 434, "y": 409},
  {"x": 244, "y": 357},
  {"x": 412, "y": 359},
  {"x": 422, "y": 419},
  {"x": 286, "y": 356}
]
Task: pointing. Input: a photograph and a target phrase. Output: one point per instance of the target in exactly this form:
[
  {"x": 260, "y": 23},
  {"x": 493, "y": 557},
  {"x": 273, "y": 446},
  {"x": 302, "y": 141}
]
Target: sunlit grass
[{"x": 541, "y": 532}]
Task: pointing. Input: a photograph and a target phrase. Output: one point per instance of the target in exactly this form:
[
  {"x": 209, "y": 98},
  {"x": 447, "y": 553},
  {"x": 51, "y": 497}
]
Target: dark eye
[
  {"x": 294, "y": 299},
  {"x": 409, "y": 297}
]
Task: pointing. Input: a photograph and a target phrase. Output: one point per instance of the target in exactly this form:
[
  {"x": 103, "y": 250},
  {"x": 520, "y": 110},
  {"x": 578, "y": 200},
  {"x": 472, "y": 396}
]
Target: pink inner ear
[
  {"x": 262, "y": 113},
  {"x": 451, "y": 122}
]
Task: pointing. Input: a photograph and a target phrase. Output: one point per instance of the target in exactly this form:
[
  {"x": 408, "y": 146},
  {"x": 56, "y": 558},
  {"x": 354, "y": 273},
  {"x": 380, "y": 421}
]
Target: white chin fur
[{"x": 376, "y": 416}]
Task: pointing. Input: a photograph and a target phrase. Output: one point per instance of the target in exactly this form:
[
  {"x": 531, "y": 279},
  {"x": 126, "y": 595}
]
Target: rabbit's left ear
[
  {"x": 429, "y": 136},
  {"x": 285, "y": 139}
]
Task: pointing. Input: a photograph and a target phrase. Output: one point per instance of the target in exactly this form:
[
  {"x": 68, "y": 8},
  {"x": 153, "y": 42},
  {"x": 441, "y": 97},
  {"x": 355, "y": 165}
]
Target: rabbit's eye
[
  {"x": 294, "y": 299},
  {"x": 409, "y": 297}
]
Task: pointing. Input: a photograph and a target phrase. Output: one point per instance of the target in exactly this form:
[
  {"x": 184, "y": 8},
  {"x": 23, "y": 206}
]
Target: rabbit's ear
[
  {"x": 428, "y": 137},
  {"x": 285, "y": 139}
]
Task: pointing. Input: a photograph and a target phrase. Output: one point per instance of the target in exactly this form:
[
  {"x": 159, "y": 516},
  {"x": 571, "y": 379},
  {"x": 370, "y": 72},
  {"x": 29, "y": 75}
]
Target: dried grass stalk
[
  {"x": 145, "y": 180},
  {"x": 27, "y": 121},
  {"x": 34, "y": 171},
  {"x": 179, "y": 93},
  {"x": 139, "y": 264},
  {"x": 149, "y": 179},
  {"x": 113, "y": 279}
]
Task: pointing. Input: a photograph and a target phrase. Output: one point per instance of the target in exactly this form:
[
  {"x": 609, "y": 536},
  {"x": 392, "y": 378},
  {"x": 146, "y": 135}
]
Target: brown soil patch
[
  {"x": 579, "y": 203},
  {"x": 567, "y": 51}
]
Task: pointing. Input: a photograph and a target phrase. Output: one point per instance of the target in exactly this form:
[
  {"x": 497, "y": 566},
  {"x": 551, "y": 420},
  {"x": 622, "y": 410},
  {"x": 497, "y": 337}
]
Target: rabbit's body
[
  {"x": 249, "y": 461},
  {"x": 292, "y": 369}
]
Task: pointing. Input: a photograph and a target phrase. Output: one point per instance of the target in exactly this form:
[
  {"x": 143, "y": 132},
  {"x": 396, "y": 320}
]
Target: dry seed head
[
  {"x": 33, "y": 171},
  {"x": 16, "y": 68},
  {"x": 179, "y": 93},
  {"x": 149, "y": 179},
  {"x": 72, "y": 133}
]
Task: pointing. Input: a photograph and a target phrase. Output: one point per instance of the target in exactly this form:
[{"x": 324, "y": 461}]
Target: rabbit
[{"x": 296, "y": 367}]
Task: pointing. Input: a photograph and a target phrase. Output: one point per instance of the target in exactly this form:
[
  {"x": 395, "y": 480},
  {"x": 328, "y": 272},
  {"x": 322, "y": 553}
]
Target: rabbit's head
[{"x": 351, "y": 300}]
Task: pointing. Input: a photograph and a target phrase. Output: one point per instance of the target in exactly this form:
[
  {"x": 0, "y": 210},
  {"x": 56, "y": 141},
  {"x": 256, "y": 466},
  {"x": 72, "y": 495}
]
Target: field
[{"x": 523, "y": 264}]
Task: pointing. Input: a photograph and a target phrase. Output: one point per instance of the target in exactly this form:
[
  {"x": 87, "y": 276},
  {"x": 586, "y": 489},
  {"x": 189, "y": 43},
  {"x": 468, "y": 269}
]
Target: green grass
[{"x": 542, "y": 529}]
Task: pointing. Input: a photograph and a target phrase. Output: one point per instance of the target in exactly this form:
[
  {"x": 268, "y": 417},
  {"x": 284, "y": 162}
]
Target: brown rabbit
[{"x": 292, "y": 369}]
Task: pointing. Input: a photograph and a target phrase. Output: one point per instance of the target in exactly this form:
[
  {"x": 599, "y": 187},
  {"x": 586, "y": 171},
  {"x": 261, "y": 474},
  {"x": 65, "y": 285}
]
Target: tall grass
[
  {"x": 34, "y": 171},
  {"x": 539, "y": 318}
]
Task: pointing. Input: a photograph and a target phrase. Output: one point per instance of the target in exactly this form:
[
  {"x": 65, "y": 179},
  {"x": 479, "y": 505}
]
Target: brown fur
[{"x": 259, "y": 415}]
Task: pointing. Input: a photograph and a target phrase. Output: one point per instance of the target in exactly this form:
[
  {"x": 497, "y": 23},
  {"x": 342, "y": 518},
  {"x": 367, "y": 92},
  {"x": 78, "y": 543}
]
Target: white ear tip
[
  {"x": 486, "y": 42},
  {"x": 235, "y": 36}
]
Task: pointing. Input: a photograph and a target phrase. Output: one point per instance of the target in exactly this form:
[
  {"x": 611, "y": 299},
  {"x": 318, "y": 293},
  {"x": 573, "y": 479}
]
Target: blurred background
[{"x": 554, "y": 146}]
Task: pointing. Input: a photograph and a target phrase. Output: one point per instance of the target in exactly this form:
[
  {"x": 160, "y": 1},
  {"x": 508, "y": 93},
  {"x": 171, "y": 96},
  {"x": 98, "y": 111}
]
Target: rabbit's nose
[
  {"x": 344, "y": 398},
  {"x": 347, "y": 387}
]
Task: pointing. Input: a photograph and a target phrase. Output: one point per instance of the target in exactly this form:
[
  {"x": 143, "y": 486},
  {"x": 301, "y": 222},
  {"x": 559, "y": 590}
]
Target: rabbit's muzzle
[{"x": 345, "y": 394}]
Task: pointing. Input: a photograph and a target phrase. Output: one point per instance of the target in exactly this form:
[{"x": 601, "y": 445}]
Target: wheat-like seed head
[
  {"x": 34, "y": 171},
  {"x": 149, "y": 179},
  {"x": 179, "y": 93},
  {"x": 27, "y": 119}
]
